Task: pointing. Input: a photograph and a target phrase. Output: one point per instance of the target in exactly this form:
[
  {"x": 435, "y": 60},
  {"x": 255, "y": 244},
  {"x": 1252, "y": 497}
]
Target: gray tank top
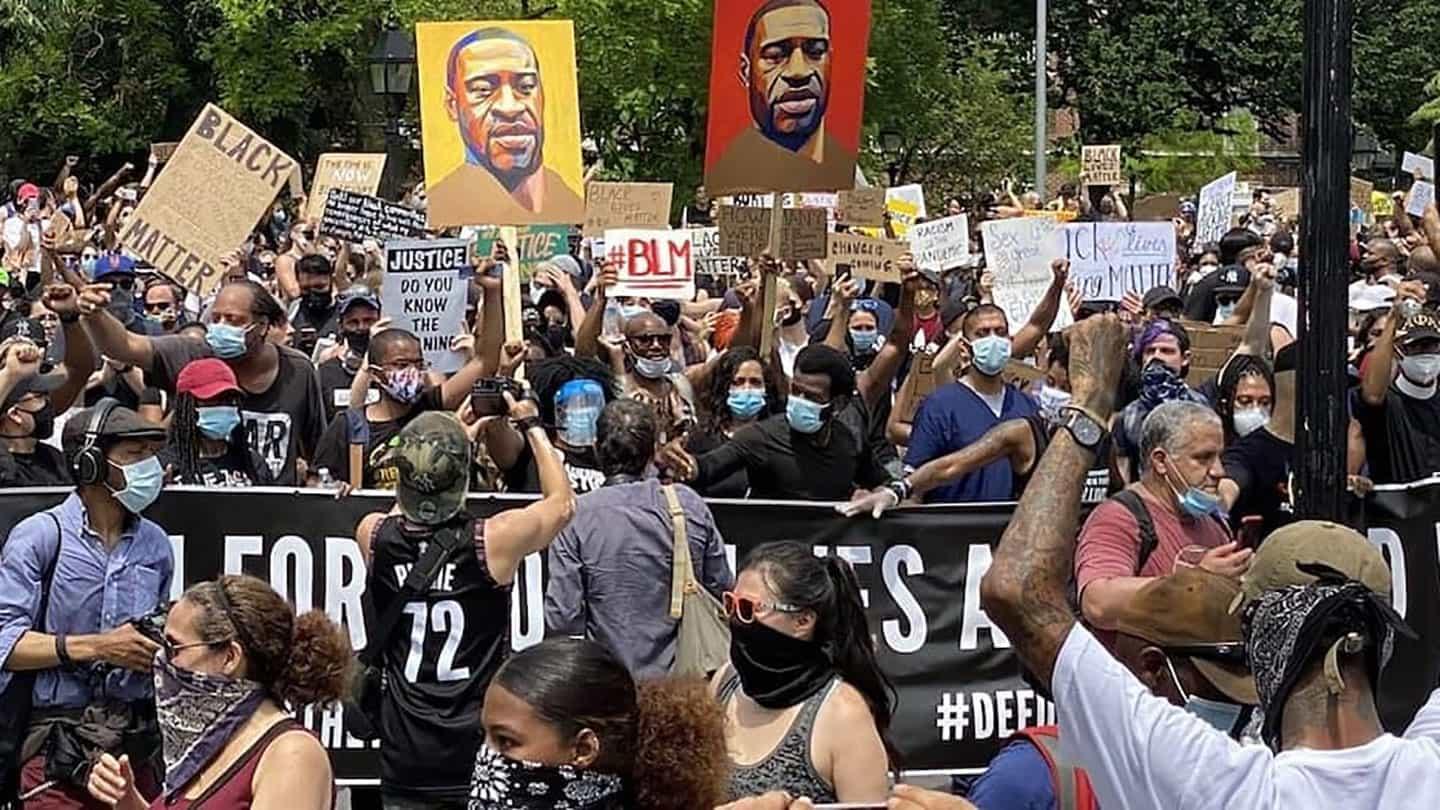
[{"x": 788, "y": 766}]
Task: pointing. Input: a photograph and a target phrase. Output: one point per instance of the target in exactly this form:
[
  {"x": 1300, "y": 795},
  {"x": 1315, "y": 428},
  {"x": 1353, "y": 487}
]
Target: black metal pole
[{"x": 1320, "y": 383}]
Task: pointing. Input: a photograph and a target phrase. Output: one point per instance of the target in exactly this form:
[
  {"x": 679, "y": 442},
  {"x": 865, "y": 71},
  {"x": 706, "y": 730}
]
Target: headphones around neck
[{"x": 89, "y": 464}]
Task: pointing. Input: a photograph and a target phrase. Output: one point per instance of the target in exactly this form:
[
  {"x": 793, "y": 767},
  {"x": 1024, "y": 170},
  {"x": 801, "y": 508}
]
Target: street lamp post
[
  {"x": 892, "y": 145},
  {"x": 392, "y": 73},
  {"x": 1041, "y": 12}
]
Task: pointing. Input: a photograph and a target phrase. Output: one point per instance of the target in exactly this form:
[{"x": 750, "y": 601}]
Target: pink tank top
[{"x": 232, "y": 790}]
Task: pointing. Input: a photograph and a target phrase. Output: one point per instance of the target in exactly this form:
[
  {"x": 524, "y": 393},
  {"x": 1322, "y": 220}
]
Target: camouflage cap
[
  {"x": 1277, "y": 562},
  {"x": 432, "y": 456}
]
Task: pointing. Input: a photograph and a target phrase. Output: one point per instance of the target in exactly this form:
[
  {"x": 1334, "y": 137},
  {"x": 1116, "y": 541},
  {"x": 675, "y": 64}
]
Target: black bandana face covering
[
  {"x": 501, "y": 783},
  {"x": 198, "y": 713},
  {"x": 776, "y": 670}
]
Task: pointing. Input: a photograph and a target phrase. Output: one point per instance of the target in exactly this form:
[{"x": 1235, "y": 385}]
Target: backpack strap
[
  {"x": 442, "y": 545},
  {"x": 1072, "y": 785},
  {"x": 1148, "y": 539},
  {"x": 680, "y": 567}
]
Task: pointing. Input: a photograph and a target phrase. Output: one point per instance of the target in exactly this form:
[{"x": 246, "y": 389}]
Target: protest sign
[
  {"x": 1381, "y": 205},
  {"x": 626, "y": 205},
  {"x": 1100, "y": 165},
  {"x": 1360, "y": 191},
  {"x": 1212, "y": 216},
  {"x": 220, "y": 181},
  {"x": 538, "y": 244},
  {"x": 484, "y": 169},
  {"x": 1018, "y": 253},
  {"x": 1156, "y": 207},
  {"x": 744, "y": 231},
  {"x": 1052, "y": 215},
  {"x": 651, "y": 264},
  {"x": 705, "y": 251},
  {"x": 863, "y": 256},
  {"x": 1110, "y": 259},
  {"x": 1421, "y": 195},
  {"x": 424, "y": 294},
  {"x": 749, "y": 200},
  {"x": 764, "y": 134},
  {"x": 163, "y": 151},
  {"x": 1287, "y": 203},
  {"x": 356, "y": 217},
  {"x": 357, "y": 172},
  {"x": 941, "y": 244},
  {"x": 802, "y": 234},
  {"x": 1413, "y": 164},
  {"x": 905, "y": 204},
  {"x": 862, "y": 207}
]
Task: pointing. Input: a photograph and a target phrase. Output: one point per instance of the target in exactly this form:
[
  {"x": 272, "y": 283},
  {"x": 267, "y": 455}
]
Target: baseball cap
[
  {"x": 24, "y": 329},
  {"x": 114, "y": 264},
  {"x": 27, "y": 192},
  {"x": 432, "y": 455},
  {"x": 1161, "y": 295},
  {"x": 1190, "y": 608},
  {"x": 206, "y": 378},
  {"x": 361, "y": 296},
  {"x": 33, "y": 384},
  {"x": 1277, "y": 563},
  {"x": 121, "y": 423},
  {"x": 1420, "y": 326},
  {"x": 1233, "y": 279}
]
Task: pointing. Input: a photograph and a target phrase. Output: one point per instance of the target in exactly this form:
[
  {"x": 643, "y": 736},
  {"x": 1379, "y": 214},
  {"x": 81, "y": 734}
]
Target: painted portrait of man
[
  {"x": 785, "y": 60},
  {"x": 494, "y": 95}
]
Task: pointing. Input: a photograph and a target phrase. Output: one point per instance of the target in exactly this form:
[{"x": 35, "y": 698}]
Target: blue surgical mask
[
  {"x": 990, "y": 354},
  {"x": 863, "y": 340},
  {"x": 652, "y": 369},
  {"x": 227, "y": 341},
  {"x": 803, "y": 415},
  {"x": 143, "y": 482},
  {"x": 217, "y": 421},
  {"x": 744, "y": 403},
  {"x": 628, "y": 311},
  {"x": 1221, "y": 716},
  {"x": 1196, "y": 502},
  {"x": 577, "y": 426}
]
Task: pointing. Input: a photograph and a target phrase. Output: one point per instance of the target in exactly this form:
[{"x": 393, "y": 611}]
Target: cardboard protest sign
[
  {"x": 204, "y": 204},
  {"x": 1156, "y": 207},
  {"x": 1052, "y": 215},
  {"x": 163, "y": 151},
  {"x": 424, "y": 294},
  {"x": 1418, "y": 164},
  {"x": 744, "y": 231},
  {"x": 827, "y": 201},
  {"x": 802, "y": 234},
  {"x": 787, "y": 88},
  {"x": 356, "y": 217},
  {"x": 1421, "y": 195},
  {"x": 1100, "y": 165},
  {"x": 905, "y": 204},
  {"x": 863, "y": 257},
  {"x": 1287, "y": 203},
  {"x": 1018, "y": 253},
  {"x": 1110, "y": 259},
  {"x": 651, "y": 264},
  {"x": 941, "y": 244},
  {"x": 1360, "y": 193},
  {"x": 500, "y": 122},
  {"x": 862, "y": 207},
  {"x": 357, "y": 172},
  {"x": 1211, "y": 346},
  {"x": 1212, "y": 215},
  {"x": 626, "y": 205},
  {"x": 705, "y": 250}
]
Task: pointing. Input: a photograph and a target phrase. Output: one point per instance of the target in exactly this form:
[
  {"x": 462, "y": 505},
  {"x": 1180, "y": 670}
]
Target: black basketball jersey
[{"x": 438, "y": 661}]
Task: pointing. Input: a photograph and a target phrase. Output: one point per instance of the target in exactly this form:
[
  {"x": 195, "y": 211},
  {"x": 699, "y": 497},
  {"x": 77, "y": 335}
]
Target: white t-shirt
[
  {"x": 996, "y": 401},
  {"x": 1142, "y": 752}
]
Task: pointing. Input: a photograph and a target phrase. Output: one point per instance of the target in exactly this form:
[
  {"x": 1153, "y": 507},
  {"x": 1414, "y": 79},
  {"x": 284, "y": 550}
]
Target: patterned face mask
[
  {"x": 198, "y": 714},
  {"x": 501, "y": 783}
]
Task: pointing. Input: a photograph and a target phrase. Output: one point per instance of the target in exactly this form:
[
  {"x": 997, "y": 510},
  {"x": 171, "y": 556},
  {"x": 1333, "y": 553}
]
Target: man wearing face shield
[{"x": 1397, "y": 408}]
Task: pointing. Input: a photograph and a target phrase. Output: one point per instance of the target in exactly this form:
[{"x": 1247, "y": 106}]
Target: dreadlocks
[{"x": 185, "y": 439}]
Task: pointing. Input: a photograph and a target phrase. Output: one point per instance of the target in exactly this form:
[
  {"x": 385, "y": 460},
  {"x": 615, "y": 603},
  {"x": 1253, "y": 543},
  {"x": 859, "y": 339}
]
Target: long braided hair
[{"x": 185, "y": 440}]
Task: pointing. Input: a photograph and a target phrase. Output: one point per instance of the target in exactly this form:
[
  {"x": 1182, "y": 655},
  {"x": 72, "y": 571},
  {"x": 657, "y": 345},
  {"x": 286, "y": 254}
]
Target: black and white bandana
[{"x": 501, "y": 783}]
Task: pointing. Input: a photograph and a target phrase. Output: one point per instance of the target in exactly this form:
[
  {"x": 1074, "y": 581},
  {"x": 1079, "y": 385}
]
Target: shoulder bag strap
[
  {"x": 443, "y": 543},
  {"x": 48, "y": 575},
  {"x": 680, "y": 569}
]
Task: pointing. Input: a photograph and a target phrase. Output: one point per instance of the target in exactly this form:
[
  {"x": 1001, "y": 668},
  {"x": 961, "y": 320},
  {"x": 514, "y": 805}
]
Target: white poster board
[
  {"x": 1212, "y": 216},
  {"x": 652, "y": 264},
  {"x": 1018, "y": 253},
  {"x": 424, "y": 294},
  {"x": 1110, "y": 259},
  {"x": 941, "y": 244}
]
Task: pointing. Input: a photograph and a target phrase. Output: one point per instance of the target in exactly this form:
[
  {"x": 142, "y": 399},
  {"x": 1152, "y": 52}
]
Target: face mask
[
  {"x": 143, "y": 481},
  {"x": 227, "y": 341},
  {"x": 1224, "y": 311},
  {"x": 990, "y": 354},
  {"x": 1052, "y": 399},
  {"x": 1223, "y": 717},
  {"x": 652, "y": 369},
  {"x": 577, "y": 426},
  {"x": 628, "y": 311},
  {"x": 501, "y": 783},
  {"x": 792, "y": 317},
  {"x": 1421, "y": 368},
  {"x": 744, "y": 403},
  {"x": 358, "y": 341},
  {"x": 863, "y": 341},
  {"x": 803, "y": 415},
  {"x": 316, "y": 300},
  {"x": 777, "y": 671},
  {"x": 198, "y": 714},
  {"x": 404, "y": 386},
  {"x": 1249, "y": 420},
  {"x": 1159, "y": 383},
  {"x": 217, "y": 421},
  {"x": 1196, "y": 502}
]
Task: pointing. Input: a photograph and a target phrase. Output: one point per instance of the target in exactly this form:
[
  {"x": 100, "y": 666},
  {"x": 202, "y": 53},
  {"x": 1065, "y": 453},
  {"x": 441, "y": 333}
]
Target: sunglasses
[
  {"x": 1230, "y": 652},
  {"x": 746, "y": 609},
  {"x": 650, "y": 340},
  {"x": 171, "y": 647}
]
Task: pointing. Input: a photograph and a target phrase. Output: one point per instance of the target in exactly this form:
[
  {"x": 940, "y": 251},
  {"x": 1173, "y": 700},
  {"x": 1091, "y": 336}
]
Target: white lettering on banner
[
  {"x": 344, "y": 586},
  {"x": 941, "y": 244},
  {"x": 972, "y": 617},
  {"x": 961, "y": 716},
  {"x": 856, "y": 556},
  {"x": 652, "y": 264},
  {"x": 895, "y": 558},
  {"x": 527, "y": 608},
  {"x": 269, "y": 436},
  {"x": 1212, "y": 215},
  {"x": 287, "y": 549},
  {"x": 1108, "y": 260},
  {"x": 1389, "y": 544},
  {"x": 238, "y": 547},
  {"x": 177, "y": 549},
  {"x": 329, "y": 725}
]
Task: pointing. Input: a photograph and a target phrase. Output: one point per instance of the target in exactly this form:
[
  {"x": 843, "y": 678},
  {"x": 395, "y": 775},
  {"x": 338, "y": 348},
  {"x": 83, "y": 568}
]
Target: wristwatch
[
  {"x": 901, "y": 488},
  {"x": 1087, "y": 432}
]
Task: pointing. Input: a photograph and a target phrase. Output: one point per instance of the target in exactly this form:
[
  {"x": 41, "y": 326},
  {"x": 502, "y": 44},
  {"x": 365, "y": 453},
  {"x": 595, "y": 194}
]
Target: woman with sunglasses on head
[
  {"x": 806, "y": 705},
  {"x": 234, "y": 666}
]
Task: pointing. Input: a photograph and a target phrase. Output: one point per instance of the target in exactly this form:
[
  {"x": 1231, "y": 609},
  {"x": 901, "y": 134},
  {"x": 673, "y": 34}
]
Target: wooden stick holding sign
[{"x": 767, "y": 280}]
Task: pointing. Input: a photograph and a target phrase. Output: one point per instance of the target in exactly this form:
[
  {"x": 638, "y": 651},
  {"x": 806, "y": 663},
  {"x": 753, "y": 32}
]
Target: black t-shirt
[
  {"x": 45, "y": 467},
  {"x": 325, "y": 322},
  {"x": 230, "y": 470},
  {"x": 1260, "y": 464},
  {"x": 334, "y": 449},
  {"x": 115, "y": 388},
  {"x": 335, "y": 380},
  {"x": 581, "y": 467},
  {"x": 283, "y": 423},
  {"x": 1097, "y": 481},
  {"x": 1402, "y": 436},
  {"x": 788, "y": 465},
  {"x": 1200, "y": 302},
  {"x": 734, "y": 485}
]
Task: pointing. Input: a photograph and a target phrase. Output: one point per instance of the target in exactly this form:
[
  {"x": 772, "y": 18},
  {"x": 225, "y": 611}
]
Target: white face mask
[
  {"x": 1249, "y": 420},
  {"x": 1422, "y": 369},
  {"x": 1223, "y": 312}
]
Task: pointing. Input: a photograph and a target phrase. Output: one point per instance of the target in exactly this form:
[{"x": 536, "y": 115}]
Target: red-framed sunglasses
[{"x": 747, "y": 609}]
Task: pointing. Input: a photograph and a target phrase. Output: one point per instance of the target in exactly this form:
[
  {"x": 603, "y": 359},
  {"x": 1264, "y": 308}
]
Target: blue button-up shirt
[{"x": 94, "y": 589}]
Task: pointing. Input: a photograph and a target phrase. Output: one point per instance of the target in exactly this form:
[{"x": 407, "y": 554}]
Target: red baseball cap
[
  {"x": 27, "y": 192},
  {"x": 206, "y": 378}
]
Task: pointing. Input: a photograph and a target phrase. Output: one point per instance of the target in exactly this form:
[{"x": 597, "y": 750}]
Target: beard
[
  {"x": 522, "y": 165},
  {"x": 770, "y": 113}
]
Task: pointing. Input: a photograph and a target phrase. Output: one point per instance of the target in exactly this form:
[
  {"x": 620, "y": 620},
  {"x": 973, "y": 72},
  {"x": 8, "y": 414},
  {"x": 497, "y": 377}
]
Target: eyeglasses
[
  {"x": 401, "y": 365},
  {"x": 124, "y": 283},
  {"x": 171, "y": 647},
  {"x": 1228, "y": 652},
  {"x": 746, "y": 609},
  {"x": 158, "y": 307}
]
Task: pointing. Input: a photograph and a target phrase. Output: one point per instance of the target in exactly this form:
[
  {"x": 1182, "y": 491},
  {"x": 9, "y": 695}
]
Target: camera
[{"x": 487, "y": 398}]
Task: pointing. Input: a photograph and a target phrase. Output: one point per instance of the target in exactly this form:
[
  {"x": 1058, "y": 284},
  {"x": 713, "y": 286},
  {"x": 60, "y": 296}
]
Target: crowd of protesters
[{"x": 116, "y": 381}]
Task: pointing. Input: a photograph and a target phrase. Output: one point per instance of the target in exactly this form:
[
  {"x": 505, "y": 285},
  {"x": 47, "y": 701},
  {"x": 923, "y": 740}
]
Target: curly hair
[
  {"x": 681, "y": 743},
  {"x": 300, "y": 660},
  {"x": 713, "y": 397},
  {"x": 548, "y": 376}
]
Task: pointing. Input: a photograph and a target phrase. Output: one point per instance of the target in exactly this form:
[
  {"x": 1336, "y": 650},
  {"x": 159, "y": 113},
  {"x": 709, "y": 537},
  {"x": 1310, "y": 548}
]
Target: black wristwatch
[
  {"x": 69, "y": 317},
  {"x": 1087, "y": 432},
  {"x": 524, "y": 425},
  {"x": 901, "y": 488}
]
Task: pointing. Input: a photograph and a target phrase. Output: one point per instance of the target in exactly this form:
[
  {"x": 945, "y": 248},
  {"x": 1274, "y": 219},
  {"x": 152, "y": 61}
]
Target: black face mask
[
  {"x": 358, "y": 341},
  {"x": 792, "y": 317},
  {"x": 556, "y": 335},
  {"x": 316, "y": 300},
  {"x": 776, "y": 670},
  {"x": 44, "y": 422}
]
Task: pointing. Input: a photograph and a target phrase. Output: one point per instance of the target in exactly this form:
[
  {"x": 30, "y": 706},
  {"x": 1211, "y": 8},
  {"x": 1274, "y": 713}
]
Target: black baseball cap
[
  {"x": 33, "y": 384},
  {"x": 1233, "y": 279},
  {"x": 1159, "y": 296},
  {"x": 365, "y": 297},
  {"x": 1420, "y": 326},
  {"x": 25, "y": 329}
]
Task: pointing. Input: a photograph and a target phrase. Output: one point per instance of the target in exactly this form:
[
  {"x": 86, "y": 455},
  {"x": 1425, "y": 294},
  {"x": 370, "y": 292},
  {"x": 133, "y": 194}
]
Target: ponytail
[
  {"x": 680, "y": 761},
  {"x": 854, "y": 650},
  {"x": 318, "y": 667}
]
